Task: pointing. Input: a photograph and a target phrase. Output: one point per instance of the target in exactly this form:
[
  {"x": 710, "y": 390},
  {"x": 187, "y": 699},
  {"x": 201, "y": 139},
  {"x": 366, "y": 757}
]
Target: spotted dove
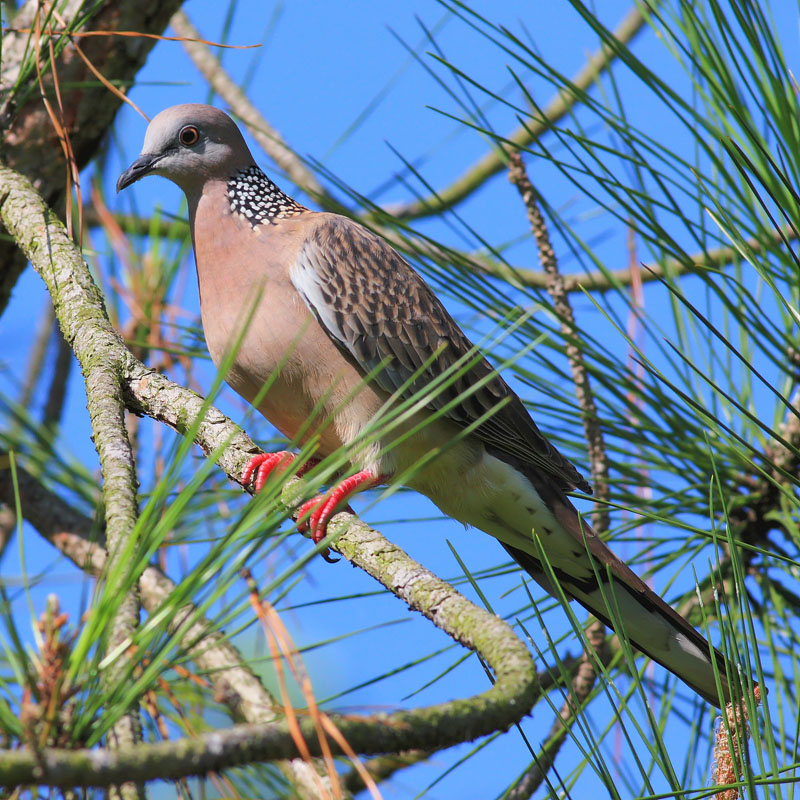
[{"x": 345, "y": 334}]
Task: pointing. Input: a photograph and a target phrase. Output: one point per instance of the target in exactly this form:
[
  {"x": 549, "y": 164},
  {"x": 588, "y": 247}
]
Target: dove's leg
[
  {"x": 264, "y": 464},
  {"x": 316, "y": 513}
]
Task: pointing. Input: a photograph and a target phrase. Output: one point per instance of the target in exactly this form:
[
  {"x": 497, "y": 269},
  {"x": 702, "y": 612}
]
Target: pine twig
[
  {"x": 584, "y": 680},
  {"x": 598, "y": 459}
]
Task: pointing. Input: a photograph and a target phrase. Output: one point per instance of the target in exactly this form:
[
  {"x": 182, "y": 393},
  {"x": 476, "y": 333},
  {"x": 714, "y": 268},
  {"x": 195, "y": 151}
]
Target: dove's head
[{"x": 190, "y": 144}]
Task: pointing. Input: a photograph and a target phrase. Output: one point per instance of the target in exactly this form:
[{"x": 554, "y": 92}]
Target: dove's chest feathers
[{"x": 254, "y": 320}]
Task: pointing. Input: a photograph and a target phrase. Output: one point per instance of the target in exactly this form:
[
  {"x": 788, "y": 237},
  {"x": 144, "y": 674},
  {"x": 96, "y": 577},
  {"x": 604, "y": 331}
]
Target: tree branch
[
  {"x": 434, "y": 727},
  {"x": 556, "y": 288},
  {"x": 584, "y": 681},
  {"x": 41, "y": 236},
  {"x": 268, "y": 138},
  {"x": 717, "y": 258}
]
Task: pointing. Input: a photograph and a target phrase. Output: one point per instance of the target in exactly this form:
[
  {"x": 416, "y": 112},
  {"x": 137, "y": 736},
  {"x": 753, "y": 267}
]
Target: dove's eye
[{"x": 189, "y": 136}]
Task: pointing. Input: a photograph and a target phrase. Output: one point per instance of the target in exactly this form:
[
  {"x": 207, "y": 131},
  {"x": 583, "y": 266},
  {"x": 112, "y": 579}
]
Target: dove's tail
[
  {"x": 511, "y": 499},
  {"x": 648, "y": 622}
]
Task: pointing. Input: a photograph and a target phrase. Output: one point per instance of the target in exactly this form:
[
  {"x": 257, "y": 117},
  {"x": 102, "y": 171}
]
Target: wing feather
[{"x": 378, "y": 309}]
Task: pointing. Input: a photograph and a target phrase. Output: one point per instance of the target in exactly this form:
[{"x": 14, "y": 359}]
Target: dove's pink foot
[
  {"x": 315, "y": 514},
  {"x": 264, "y": 464}
]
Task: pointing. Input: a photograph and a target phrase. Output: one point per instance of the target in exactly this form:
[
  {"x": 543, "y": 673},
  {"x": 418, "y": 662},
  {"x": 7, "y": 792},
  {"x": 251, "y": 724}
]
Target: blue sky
[{"x": 320, "y": 66}]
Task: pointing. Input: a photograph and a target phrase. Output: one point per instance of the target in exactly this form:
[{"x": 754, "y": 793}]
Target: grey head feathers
[{"x": 190, "y": 144}]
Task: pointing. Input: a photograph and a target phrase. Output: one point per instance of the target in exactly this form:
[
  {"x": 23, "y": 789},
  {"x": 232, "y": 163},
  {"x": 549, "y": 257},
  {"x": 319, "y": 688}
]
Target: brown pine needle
[
  {"x": 261, "y": 610},
  {"x": 132, "y": 34},
  {"x": 336, "y": 735},
  {"x": 111, "y": 88},
  {"x": 72, "y": 176}
]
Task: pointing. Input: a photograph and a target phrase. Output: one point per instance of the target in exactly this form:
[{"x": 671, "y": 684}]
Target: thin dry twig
[{"x": 728, "y": 759}]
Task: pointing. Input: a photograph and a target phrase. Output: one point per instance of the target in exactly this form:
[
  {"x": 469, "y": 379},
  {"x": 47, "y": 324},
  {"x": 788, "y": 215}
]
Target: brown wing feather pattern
[{"x": 376, "y": 307}]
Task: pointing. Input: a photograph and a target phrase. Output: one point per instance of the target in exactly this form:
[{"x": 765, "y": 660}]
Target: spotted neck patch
[{"x": 255, "y": 197}]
